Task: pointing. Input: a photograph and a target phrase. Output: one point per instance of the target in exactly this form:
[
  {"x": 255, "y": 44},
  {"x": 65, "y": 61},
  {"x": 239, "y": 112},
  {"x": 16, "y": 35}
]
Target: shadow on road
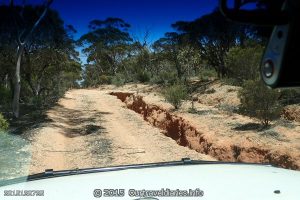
[{"x": 77, "y": 122}]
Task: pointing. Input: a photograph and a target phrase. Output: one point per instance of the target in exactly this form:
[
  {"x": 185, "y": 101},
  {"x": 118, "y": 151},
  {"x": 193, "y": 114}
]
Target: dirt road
[{"x": 90, "y": 128}]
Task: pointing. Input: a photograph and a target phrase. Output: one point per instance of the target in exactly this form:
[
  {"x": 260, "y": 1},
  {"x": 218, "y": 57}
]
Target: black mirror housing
[{"x": 279, "y": 66}]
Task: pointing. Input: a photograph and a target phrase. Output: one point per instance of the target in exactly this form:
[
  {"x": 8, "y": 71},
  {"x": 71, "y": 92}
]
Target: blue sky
[
  {"x": 156, "y": 16},
  {"x": 153, "y": 15}
]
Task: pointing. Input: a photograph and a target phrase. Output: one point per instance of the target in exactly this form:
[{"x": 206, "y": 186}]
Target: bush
[
  {"x": 166, "y": 78},
  {"x": 207, "y": 74},
  {"x": 105, "y": 79},
  {"x": 243, "y": 63},
  {"x": 231, "y": 81},
  {"x": 3, "y": 123},
  {"x": 260, "y": 102},
  {"x": 175, "y": 94},
  {"x": 37, "y": 102},
  {"x": 290, "y": 96},
  {"x": 118, "y": 80},
  {"x": 5, "y": 96},
  {"x": 142, "y": 76}
]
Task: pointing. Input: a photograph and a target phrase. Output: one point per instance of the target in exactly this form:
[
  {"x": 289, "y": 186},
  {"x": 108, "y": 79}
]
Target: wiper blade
[
  {"x": 184, "y": 161},
  {"x": 50, "y": 173}
]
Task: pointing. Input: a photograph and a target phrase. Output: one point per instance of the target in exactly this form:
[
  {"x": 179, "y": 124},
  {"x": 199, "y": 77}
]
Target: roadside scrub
[
  {"x": 260, "y": 102},
  {"x": 3, "y": 123},
  {"x": 175, "y": 94}
]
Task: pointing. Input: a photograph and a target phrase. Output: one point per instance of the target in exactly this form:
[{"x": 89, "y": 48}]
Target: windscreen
[{"x": 91, "y": 84}]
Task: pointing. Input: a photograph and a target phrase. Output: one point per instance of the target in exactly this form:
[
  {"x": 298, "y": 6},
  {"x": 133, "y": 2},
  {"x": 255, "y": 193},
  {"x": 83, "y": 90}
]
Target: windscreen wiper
[{"x": 50, "y": 173}]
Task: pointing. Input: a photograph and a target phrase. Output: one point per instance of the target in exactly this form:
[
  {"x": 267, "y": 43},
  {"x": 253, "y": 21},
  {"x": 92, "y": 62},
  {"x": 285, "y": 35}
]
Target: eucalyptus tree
[
  {"x": 214, "y": 36},
  {"x": 168, "y": 49},
  {"x": 107, "y": 44},
  {"x": 50, "y": 54},
  {"x": 175, "y": 49},
  {"x": 7, "y": 48},
  {"x": 24, "y": 31},
  {"x": 47, "y": 62}
]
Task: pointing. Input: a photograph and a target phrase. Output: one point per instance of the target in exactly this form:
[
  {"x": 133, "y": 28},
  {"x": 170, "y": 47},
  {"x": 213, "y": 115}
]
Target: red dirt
[{"x": 186, "y": 135}]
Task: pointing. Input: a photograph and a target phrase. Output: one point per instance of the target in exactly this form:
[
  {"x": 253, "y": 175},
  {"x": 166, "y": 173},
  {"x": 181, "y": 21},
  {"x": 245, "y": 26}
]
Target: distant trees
[
  {"x": 111, "y": 49},
  {"x": 184, "y": 57},
  {"x": 168, "y": 49},
  {"x": 140, "y": 63},
  {"x": 201, "y": 44},
  {"x": 107, "y": 45},
  {"x": 214, "y": 35},
  {"x": 47, "y": 63}
]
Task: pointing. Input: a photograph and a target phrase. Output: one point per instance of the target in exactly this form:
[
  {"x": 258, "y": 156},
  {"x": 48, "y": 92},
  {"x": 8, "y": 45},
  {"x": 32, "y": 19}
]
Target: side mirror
[
  {"x": 258, "y": 12},
  {"x": 279, "y": 63}
]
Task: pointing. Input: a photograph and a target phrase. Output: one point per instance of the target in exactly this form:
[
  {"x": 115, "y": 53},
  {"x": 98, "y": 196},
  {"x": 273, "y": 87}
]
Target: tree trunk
[
  {"x": 126, "y": 71},
  {"x": 223, "y": 71},
  {"x": 6, "y": 81},
  {"x": 21, "y": 46},
  {"x": 17, "y": 89},
  {"x": 178, "y": 69}
]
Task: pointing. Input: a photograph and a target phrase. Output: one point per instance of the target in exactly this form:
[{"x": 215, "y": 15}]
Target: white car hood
[{"x": 217, "y": 181}]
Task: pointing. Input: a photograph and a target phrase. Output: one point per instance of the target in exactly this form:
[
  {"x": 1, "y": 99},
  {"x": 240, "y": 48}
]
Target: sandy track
[{"x": 90, "y": 128}]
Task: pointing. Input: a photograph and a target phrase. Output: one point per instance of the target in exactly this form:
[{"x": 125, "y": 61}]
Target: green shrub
[
  {"x": 36, "y": 101},
  {"x": 231, "y": 81},
  {"x": 243, "y": 63},
  {"x": 5, "y": 96},
  {"x": 259, "y": 101},
  {"x": 166, "y": 78},
  {"x": 105, "y": 79},
  {"x": 206, "y": 74},
  {"x": 118, "y": 80},
  {"x": 3, "y": 123},
  {"x": 290, "y": 96},
  {"x": 142, "y": 76},
  {"x": 156, "y": 80},
  {"x": 175, "y": 94}
]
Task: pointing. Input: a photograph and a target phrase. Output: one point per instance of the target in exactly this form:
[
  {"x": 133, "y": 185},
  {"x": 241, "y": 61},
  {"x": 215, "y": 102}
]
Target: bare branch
[{"x": 49, "y": 2}]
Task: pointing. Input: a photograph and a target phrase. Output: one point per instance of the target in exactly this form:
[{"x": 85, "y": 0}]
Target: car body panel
[{"x": 223, "y": 181}]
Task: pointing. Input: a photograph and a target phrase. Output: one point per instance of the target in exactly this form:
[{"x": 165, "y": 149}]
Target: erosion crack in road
[{"x": 90, "y": 128}]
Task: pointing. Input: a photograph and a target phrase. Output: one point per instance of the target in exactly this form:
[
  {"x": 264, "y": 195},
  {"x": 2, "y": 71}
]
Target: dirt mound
[
  {"x": 186, "y": 135},
  {"x": 218, "y": 94}
]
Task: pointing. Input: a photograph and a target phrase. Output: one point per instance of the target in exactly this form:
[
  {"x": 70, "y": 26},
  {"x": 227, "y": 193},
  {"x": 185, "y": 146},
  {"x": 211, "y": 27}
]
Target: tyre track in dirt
[{"x": 90, "y": 128}]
